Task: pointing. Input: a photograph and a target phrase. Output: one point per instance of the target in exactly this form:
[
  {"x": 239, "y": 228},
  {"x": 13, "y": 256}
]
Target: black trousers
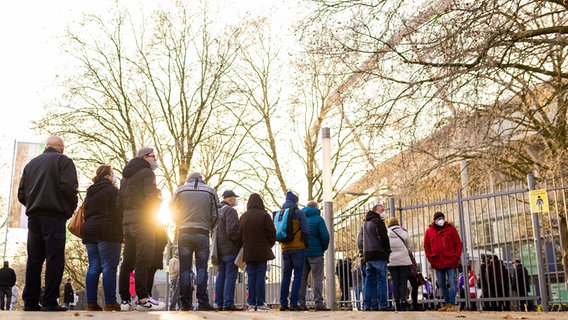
[
  {"x": 46, "y": 242},
  {"x": 137, "y": 256},
  {"x": 5, "y": 293}
]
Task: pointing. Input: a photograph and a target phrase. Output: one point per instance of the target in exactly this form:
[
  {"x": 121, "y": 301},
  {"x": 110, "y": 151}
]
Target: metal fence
[{"x": 491, "y": 223}]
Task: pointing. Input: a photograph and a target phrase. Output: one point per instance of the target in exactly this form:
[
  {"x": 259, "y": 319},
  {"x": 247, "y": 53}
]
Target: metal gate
[{"x": 492, "y": 224}]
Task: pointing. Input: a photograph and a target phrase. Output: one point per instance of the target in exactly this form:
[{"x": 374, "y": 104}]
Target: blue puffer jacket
[{"x": 319, "y": 237}]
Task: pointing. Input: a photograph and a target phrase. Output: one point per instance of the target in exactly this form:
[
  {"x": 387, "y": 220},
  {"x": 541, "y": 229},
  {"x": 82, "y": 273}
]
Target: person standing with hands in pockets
[{"x": 443, "y": 248}]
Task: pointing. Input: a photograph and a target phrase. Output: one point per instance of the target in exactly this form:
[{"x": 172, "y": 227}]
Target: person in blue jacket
[{"x": 314, "y": 263}]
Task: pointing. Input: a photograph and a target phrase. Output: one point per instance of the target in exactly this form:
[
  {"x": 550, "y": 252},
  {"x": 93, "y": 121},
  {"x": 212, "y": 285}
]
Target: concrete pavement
[{"x": 275, "y": 314}]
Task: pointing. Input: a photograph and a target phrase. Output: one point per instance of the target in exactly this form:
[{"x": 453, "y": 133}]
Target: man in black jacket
[
  {"x": 7, "y": 281},
  {"x": 48, "y": 190},
  {"x": 376, "y": 251},
  {"x": 140, "y": 199},
  {"x": 228, "y": 246}
]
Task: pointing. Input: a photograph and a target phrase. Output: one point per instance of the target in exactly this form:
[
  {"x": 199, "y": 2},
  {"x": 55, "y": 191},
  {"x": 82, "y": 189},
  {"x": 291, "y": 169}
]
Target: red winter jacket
[{"x": 443, "y": 246}]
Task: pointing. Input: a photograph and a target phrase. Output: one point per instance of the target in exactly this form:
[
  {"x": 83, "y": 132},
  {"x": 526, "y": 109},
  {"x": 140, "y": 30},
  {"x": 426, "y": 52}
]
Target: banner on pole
[{"x": 25, "y": 151}]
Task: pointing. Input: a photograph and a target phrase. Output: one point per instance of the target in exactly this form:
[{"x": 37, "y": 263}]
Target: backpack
[{"x": 284, "y": 226}]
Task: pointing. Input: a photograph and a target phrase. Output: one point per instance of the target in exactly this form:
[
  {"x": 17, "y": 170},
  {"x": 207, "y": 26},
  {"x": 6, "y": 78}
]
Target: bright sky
[{"x": 30, "y": 59}]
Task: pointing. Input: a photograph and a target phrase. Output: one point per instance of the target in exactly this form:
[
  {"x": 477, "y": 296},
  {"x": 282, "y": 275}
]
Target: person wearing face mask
[
  {"x": 229, "y": 243},
  {"x": 102, "y": 236},
  {"x": 376, "y": 252},
  {"x": 443, "y": 248},
  {"x": 140, "y": 201}
]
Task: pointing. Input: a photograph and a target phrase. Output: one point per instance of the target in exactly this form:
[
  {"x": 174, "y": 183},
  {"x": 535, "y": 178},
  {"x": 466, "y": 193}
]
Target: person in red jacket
[{"x": 443, "y": 250}]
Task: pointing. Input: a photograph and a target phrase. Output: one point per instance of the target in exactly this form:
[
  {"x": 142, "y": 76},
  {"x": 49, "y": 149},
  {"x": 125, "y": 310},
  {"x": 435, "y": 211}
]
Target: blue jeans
[
  {"x": 293, "y": 260},
  {"x": 375, "y": 291},
  {"x": 225, "y": 282},
  {"x": 103, "y": 258},
  {"x": 188, "y": 244},
  {"x": 450, "y": 273},
  {"x": 256, "y": 272}
]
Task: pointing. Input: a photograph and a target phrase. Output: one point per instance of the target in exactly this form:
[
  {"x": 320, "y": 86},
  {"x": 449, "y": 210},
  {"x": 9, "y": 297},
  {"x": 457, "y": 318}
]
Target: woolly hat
[
  {"x": 291, "y": 197},
  {"x": 144, "y": 152},
  {"x": 438, "y": 215}
]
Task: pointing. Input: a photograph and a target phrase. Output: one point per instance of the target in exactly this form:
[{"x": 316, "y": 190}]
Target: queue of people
[{"x": 128, "y": 215}]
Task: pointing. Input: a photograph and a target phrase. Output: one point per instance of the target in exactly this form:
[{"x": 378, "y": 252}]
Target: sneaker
[
  {"x": 284, "y": 308},
  {"x": 251, "y": 308},
  {"x": 295, "y": 308},
  {"x": 303, "y": 307},
  {"x": 263, "y": 308},
  {"x": 125, "y": 306},
  {"x": 151, "y": 305}
]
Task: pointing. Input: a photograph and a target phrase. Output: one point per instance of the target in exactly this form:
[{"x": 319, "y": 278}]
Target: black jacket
[
  {"x": 138, "y": 195},
  {"x": 228, "y": 234},
  {"x": 376, "y": 245},
  {"x": 521, "y": 279},
  {"x": 49, "y": 185},
  {"x": 103, "y": 220},
  {"x": 7, "y": 277}
]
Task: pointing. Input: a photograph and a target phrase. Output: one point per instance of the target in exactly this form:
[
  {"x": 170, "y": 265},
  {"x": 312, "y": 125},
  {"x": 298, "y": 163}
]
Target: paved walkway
[{"x": 274, "y": 314}]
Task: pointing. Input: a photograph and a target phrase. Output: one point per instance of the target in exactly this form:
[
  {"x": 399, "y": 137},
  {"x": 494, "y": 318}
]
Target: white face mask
[
  {"x": 154, "y": 165},
  {"x": 383, "y": 215},
  {"x": 236, "y": 202},
  {"x": 114, "y": 179},
  {"x": 440, "y": 222}
]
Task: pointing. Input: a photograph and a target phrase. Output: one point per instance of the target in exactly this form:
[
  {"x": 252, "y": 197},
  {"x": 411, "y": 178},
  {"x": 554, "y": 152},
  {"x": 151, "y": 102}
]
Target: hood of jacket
[
  {"x": 134, "y": 166},
  {"x": 371, "y": 215},
  {"x": 311, "y": 211},
  {"x": 255, "y": 202},
  {"x": 97, "y": 186},
  {"x": 289, "y": 204}
]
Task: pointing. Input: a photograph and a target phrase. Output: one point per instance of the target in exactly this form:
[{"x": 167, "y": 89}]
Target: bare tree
[{"x": 162, "y": 87}]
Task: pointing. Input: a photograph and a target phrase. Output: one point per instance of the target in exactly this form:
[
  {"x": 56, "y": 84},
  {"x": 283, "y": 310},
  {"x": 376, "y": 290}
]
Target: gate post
[
  {"x": 464, "y": 247},
  {"x": 328, "y": 216},
  {"x": 539, "y": 254}
]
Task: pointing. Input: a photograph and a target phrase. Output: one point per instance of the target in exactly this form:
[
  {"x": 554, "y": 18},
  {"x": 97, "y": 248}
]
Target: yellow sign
[{"x": 539, "y": 200}]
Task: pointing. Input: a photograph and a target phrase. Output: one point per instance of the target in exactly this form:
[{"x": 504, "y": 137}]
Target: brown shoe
[
  {"x": 93, "y": 306},
  {"x": 111, "y": 307}
]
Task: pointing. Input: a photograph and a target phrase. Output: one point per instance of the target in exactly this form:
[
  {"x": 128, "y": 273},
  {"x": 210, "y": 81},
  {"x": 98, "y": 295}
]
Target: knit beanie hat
[
  {"x": 438, "y": 215},
  {"x": 291, "y": 197}
]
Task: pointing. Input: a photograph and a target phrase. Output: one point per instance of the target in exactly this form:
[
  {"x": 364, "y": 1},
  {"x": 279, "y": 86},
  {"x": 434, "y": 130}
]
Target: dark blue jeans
[
  {"x": 293, "y": 260},
  {"x": 256, "y": 272},
  {"x": 225, "y": 282},
  {"x": 188, "y": 244},
  {"x": 46, "y": 242},
  {"x": 103, "y": 258},
  {"x": 375, "y": 291}
]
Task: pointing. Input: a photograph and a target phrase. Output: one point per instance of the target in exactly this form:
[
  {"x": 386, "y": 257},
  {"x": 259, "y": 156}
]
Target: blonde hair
[
  {"x": 393, "y": 221},
  {"x": 102, "y": 171}
]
